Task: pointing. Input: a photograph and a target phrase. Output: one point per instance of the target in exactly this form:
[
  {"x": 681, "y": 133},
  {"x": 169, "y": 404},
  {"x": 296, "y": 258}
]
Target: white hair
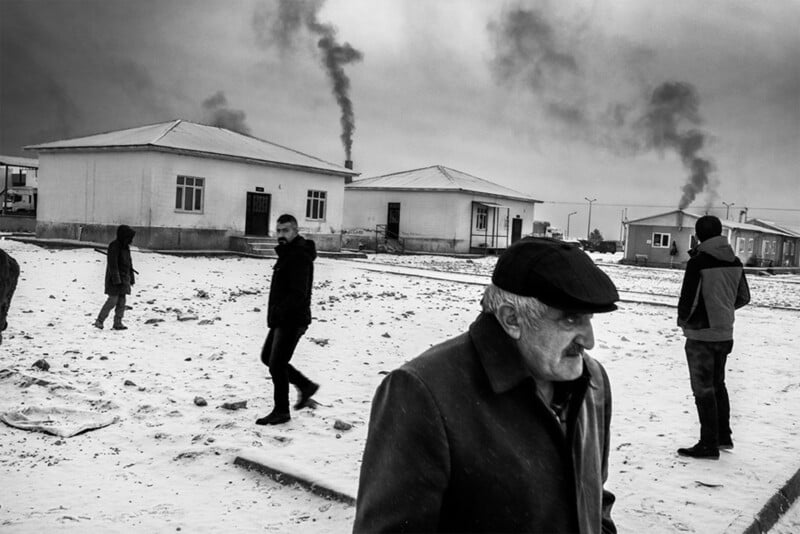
[{"x": 529, "y": 309}]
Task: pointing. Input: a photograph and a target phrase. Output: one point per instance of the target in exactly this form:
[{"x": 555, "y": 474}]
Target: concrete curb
[
  {"x": 771, "y": 512},
  {"x": 287, "y": 474}
]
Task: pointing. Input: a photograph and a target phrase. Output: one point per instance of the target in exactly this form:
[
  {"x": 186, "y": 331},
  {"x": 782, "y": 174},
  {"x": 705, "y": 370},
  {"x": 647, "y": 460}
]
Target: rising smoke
[
  {"x": 548, "y": 58},
  {"x": 284, "y": 26},
  {"x": 218, "y": 114},
  {"x": 671, "y": 104}
]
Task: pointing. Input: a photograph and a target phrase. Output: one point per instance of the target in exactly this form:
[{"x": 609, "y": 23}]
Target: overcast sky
[{"x": 557, "y": 99}]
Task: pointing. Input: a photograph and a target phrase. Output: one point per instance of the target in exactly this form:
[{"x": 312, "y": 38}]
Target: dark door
[
  {"x": 516, "y": 229},
  {"x": 393, "y": 221},
  {"x": 257, "y": 218}
]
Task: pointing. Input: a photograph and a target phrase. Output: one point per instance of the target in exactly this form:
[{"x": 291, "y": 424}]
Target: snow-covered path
[{"x": 168, "y": 463}]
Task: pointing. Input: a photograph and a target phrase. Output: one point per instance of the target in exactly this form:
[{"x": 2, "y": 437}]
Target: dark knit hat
[
  {"x": 559, "y": 274},
  {"x": 707, "y": 227}
]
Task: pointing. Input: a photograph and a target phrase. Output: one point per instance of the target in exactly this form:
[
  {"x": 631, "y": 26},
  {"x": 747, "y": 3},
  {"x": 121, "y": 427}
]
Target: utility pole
[
  {"x": 728, "y": 209},
  {"x": 568, "y": 216},
  {"x": 589, "y": 223}
]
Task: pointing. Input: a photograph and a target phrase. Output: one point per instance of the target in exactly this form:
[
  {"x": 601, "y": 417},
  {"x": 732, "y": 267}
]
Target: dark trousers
[
  {"x": 278, "y": 350},
  {"x": 115, "y": 302},
  {"x": 707, "y": 374}
]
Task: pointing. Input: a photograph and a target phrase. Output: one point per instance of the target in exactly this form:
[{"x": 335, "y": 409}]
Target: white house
[
  {"x": 183, "y": 185},
  {"x": 435, "y": 209}
]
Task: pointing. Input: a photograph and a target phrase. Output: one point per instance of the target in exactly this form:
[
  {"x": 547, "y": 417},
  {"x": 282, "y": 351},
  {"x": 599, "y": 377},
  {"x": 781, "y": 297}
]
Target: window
[
  {"x": 661, "y": 240},
  {"x": 189, "y": 194},
  {"x": 750, "y": 246},
  {"x": 18, "y": 179},
  {"x": 315, "y": 205},
  {"x": 480, "y": 221},
  {"x": 740, "y": 242}
]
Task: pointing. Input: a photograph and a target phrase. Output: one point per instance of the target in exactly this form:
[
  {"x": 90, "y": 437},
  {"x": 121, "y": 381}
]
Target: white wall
[
  {"x": 226, "y": 187},
  {"x": 138, "y": 188},
  {"x": 428, "y": 214}
]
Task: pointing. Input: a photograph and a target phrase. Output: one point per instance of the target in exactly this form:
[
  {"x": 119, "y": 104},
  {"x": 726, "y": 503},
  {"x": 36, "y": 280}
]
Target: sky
[{"x": 640, "y": 106}]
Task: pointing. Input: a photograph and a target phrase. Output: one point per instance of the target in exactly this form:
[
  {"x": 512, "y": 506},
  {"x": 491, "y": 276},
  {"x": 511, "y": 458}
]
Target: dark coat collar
[{"x": 500, "y": 358}]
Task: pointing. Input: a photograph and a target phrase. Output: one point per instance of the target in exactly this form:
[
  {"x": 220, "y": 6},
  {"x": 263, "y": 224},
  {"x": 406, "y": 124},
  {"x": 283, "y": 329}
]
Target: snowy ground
[{"x": 167, "y": 465}]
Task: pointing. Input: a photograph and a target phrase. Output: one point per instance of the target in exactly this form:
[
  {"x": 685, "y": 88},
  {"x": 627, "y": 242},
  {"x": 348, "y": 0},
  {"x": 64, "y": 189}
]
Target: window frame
[
  {"x": 481, "y": 217},
  {"x": 182, "y": 188},
  {"x": 316, "y": 201},
  {"x": 661, "y": 240}
]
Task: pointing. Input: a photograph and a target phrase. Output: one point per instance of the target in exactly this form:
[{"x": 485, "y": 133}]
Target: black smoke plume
[
  {"x": 670, "y": 105},
  {"x": 550, "y": 58},
  {"x": 218, "y": 114},
  {"x": 283, "y": 27}
]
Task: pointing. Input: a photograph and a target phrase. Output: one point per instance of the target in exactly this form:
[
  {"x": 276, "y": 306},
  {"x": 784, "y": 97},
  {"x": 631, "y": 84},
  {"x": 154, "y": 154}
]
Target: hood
[
  {"x": 125, "y": 234},
  {"x": 299, "y": 245},
  {"x": 717, "y": 247}
]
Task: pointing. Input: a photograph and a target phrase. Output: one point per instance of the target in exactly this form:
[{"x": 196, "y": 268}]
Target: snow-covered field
[{"x": 167, "y": 464}]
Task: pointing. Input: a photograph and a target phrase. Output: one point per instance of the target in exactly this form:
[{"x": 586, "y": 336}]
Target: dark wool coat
[
  {"x": 119, "y": 266},
  {"x": 714, "y": 286},
  {"x": 9, "y": 274},
  {"x": 459, "y": 441},
  {"x": 290, "y": 288}
]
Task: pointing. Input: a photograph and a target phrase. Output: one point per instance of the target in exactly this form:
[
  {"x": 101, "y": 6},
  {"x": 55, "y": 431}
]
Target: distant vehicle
[
  {"x": 573, "y": 241},
  {"x": 602, "y": 246},
  {"x": 21, "y": 199}
]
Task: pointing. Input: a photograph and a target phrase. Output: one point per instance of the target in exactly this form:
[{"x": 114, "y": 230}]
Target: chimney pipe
[{"x": 348, "y": 164}]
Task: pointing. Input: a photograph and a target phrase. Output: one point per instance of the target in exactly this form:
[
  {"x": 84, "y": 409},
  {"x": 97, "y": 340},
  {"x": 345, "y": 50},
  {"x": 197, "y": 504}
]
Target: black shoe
[
  {"x": 305, "y": 396},
  {"x": 700, "y": 450},
  {"x": 725, "y": 444},
  {"x": 119, "y": 326},
  {"x": 274, "y": 418},
  {"x": 98, "y": 324}
]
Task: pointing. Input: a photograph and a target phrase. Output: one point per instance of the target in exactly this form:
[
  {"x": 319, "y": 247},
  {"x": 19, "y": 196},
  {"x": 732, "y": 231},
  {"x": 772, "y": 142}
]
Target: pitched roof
[
  {"x": 14, "y": 161},
  {"x": 793, "y": 231},
  {"x": 725, "y": 224},
  {"x": 438, "y": 178},
  {"x": 196, "y": 139}
]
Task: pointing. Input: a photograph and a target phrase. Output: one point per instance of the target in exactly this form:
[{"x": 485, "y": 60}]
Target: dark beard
[{"x": 282, "y": 241}]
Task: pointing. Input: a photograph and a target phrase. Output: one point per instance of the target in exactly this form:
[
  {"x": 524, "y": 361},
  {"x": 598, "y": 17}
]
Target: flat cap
[{"x": 557, "y": 273}]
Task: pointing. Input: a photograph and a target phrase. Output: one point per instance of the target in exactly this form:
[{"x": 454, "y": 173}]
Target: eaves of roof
[
  {"x": 443, "y": 190},
  {"x": 200, "y": 154}
]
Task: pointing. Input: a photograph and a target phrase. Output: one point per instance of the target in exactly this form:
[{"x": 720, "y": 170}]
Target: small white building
[
  {"x": 183, "y": 185},
  {"x": 435, "y": 209}
]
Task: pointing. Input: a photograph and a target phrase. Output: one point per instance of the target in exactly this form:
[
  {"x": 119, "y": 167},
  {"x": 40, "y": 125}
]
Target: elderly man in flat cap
[{"x": 504, "y": 428}]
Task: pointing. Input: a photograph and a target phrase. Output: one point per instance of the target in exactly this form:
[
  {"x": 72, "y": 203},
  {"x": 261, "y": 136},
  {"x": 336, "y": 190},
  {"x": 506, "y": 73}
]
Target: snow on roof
[
  {"x": 793, "y": 231},
  {"x": 725, "y": 224},
  {"x": 438, "y": 178},
  {"x": 185, "y": 136},
  {"x": 14, "y": 161}
]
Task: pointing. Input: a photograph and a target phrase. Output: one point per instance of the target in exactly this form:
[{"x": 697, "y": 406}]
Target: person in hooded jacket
[
  {"x": 119, "y": 277},
  {"x": 288, "y": 317},
  {"x": 714, "y": 286}
]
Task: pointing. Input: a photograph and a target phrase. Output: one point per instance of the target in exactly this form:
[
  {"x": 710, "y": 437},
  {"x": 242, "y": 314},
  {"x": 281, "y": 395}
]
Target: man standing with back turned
[
  {"x": 288, "y": 317},
  {"x": 504, "y": 428},
  {"x": 714, "y": 286}
]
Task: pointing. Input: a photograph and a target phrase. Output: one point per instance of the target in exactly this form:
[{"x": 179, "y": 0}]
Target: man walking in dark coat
[
  {"x": 288, "y": 317},
  {"x": 714, "y": 286},
  {"x": 9, "y": 274},
  {"x": 119, "y": 277},
  {"x": 504, "y": 428}
]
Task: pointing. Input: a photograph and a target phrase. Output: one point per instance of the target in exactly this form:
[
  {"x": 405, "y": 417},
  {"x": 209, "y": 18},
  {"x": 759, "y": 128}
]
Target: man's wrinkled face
[
  {"x": 286, "y": 232},
  {"x": 553, "y": 348}
]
